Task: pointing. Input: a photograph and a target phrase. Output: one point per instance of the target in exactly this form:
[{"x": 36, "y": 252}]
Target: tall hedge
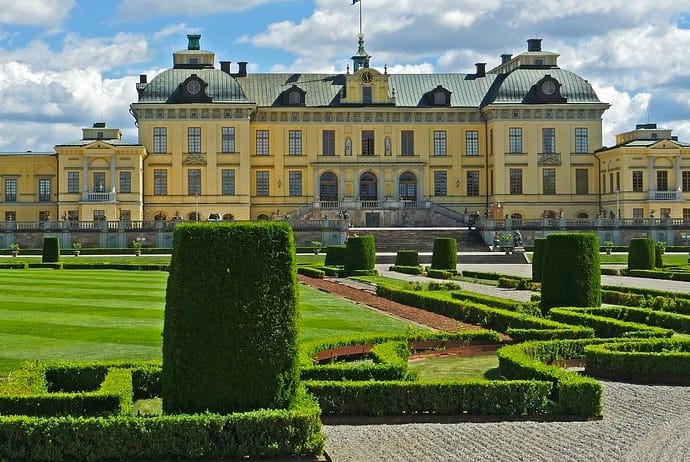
[
  {"x": 230, "y": 329},
  {"x": 538, "y": 258},
  {"x": 335, "y": 255},
  {"x": 641, "y": 254},
  {"x": 407, "y": 258},
  {"x": 658, "y": 257},
  {"x": 571, "y": 272},
  {"x": 360, "y": 253},
  {"x": 51, "y": 250},
  {"x": 445, "y": 254}
]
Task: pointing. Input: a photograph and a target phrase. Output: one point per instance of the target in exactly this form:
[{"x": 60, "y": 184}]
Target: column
[
  {"x": 679, "y": 177},
  {"x": 650, "y": 177},
  {"x": 85, "y": 180}
]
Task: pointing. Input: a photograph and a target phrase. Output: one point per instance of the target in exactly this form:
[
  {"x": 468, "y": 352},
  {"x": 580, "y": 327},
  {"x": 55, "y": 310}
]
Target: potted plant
[
  {"x": 507, "y": 243},
  {"x": 608, "y": 246},
  {"x": 661, "y": 245},
  {"x": 137, "y": 245},
  {"x": 15, "y": 249},
  {"x": 316, "y": 246},
  {"x": 76, "y": 247}
]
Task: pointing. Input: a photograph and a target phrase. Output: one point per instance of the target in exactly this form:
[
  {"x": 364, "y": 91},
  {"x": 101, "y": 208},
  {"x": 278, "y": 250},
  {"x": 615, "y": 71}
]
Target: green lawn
[
  {"x": 454, "y": 367},
  {"x": 103, "y": 314}
]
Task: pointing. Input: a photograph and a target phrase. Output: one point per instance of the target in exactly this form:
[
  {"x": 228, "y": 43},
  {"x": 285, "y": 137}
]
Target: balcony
[
  {"x": 665, "y": 195},
  {"x": 549, "y": 158},
  {"x": 99, "y": 196}
]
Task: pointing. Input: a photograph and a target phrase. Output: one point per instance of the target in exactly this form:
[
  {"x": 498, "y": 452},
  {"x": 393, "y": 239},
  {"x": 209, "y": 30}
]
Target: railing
[
  {"x": 665, "y": 195},
  {"x": 99, "y": 196},
  {"x": 585, "y": 223}
]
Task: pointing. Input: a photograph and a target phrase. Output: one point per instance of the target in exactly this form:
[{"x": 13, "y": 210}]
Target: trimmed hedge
[
  {"x": 407, "y": 269},
  {"x": 407, "y": 258},
  {"x": 577, "y": 283},
  {"x": 538, "y": 258},
  {"x": 525, "y": 335},
  {"x": 230, "y": 328},
  {"x": 641, "y": 254},
  {"x": 445, "y": 254},
  {"x": 51, "y": 250},
  {"x": 360, "y": 254},
  {"x": 335, "y": 255},
  {"x": 604, "y": 327},
  {"x": 644, "y": 361},
  {"x": 439, "y": 274},
  {"x": 573, "y": 394},
  {"x": 311, "y": 272},
  {"x": 677, "y": 322}
]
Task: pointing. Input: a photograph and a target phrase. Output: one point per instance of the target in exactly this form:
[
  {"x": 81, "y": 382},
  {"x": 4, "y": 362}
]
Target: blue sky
[{"x": 65, "y": 64}]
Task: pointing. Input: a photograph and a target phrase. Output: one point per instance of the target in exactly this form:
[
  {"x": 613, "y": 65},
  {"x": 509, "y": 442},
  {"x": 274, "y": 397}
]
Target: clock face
[
  {"x": 548, "y": 87},
  {"x": 367, "y": 77},
  {"x": 193, "y": 87}
]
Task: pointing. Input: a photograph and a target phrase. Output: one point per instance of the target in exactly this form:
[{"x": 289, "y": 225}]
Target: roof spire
[{"x": 361, "y": 58}]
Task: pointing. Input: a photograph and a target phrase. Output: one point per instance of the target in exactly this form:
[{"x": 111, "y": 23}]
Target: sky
[{"x": 65, "y": 64}]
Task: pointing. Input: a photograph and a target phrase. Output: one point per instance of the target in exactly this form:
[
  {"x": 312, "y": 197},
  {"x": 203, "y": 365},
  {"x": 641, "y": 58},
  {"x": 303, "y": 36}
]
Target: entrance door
[
  {"x": 368, "y": 187},
  {"x": 372, "y": 220}
]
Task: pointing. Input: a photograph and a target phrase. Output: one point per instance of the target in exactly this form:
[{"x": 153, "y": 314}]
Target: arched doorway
[
  {"x": 263, "y": 217},
  {"x": 193, "y": 216},
  {"x": 228, "y": 217},
  {"x": 368, "y": 187},
  {"x": 328, "y": 187},
  {"x": 407, "y": 186}
]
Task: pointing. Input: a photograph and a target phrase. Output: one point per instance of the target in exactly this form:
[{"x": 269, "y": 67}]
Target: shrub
[
  {"x": 407, "y": 269},
  {"x": 641, "y": 254},
  {"x": 230, "y": 328},
  {"x": 335, "y": 255},
  {"x": 577, "y": 283},
  {"x": 407, "y": 258},
  {"x": 603, "y": 326},
  {"x": 538, "y": 258},
  {"x": 360, "y": 253},
  {"x": 445, "y": 254},
  {"x": 440, "y": 274},
  {"x": 51, "y": 250},
  {"x": 311, "y": 272},
  {"x": 658, "y": 257}
]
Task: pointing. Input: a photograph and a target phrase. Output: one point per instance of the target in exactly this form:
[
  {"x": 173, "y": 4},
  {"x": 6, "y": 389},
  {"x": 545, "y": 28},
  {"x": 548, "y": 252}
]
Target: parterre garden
[{"x": 235, "y": 381}]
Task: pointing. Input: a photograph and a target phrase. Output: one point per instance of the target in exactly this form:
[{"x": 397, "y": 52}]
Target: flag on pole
[{"x": 354, "y": 1}]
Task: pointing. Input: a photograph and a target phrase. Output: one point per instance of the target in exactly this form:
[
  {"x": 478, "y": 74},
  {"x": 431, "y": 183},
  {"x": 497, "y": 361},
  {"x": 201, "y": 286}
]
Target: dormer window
[
  {"x": 192, "y": 90},
  {"x": 294, "y": 96},
  {"x": 439, "y": 96},
  {"x": 546, "y": 91}
]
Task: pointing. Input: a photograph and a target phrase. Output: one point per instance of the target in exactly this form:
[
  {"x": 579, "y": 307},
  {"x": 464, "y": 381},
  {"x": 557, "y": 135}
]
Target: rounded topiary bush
[
  {"x": 407, "y": 258},
  {"x": 51, "y": 250},
  {"x": 641, "y": 254},
  {"x": 571, "y": 271},
  {"x": 360, "y": 254},
  {"x": 445, "y": 254},
  {"x": 230, "y": 328},
  {"x": 538, "y": 258},
  {"x": 335, "y": 255}
]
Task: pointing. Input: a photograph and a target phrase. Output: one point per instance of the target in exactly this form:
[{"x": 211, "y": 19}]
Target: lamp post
[{"x": 196, "y": 206}]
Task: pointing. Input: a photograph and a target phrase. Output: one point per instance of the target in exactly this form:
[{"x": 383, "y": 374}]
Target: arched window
[
  {"x": 516, "y": 219},
  {"x": 368, "y": 187},
  {"x": 228, "y": 217},
  {"x": 582, "y": 215},
  {"x": 160, "y": 216},
  {"x": 328, "y": 187},
  {"x": 407, "y": 186},
  {"x": 263, "y": 217},
  {"x": 193, "y": 216}
]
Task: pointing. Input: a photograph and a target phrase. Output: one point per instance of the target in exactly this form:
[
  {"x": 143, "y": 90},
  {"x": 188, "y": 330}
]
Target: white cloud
[
  {"x": 624, "y": 113},
  {"x": 175, "y": 30},
  {"x": 137, "y": 9},
  {"x": 43, "y": 13}
]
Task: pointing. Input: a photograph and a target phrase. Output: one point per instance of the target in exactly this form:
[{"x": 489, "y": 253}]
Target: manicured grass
[
  {"x": 103, "y": 314},
  {"x": 453, "y": 367}
]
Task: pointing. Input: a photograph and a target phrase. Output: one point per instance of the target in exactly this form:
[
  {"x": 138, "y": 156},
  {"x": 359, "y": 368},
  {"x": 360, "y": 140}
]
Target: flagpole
[{"x": 360, "y": 17}]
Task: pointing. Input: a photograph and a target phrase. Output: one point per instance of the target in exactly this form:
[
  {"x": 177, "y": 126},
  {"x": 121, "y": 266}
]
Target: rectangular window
[
  {"x": 515, "y": 140},
  {"x": 99, "y": 215},
  {"x": 295, "y": 186},
  {"x": 295, "y": 143},
  {"x": 618, "y": 181},
  {"x": 472, "y": 142},
  {"x": 581, "y": 140},
  {"x": 686, "y": 180},
  {"x": 194, "y": 140},
  {"x": 440, "y": 146},
  {"x": 473, "y": 183},
  {"x": 367, "y": 95},
  {"x": 368, "y": 143},
  {"x": 73, "y": 182},
  {"x": 686, "y": 215},
  {"x": 407, "y": 143},
  {"x": 160, "y": 182},
  {"x": 611, "y": 182},
  {"x": 549, "y": 181},
  {"x": 10, "y": 190},
  {"x": 262, "y": 183},
  {"x": 440, "y": 183},
  {"x": 262, "y": 147},
  {"x": 160, "y": 140},
  {"x": 45, "y": 189},
  {"x": 328, "y": 143},
  {"x": 125, "y": 182},
  {"x": 228, "y": 182},
  {"x": 637, "y": 184},
  {"x": 581, "y": 181},
  {"x": 662, "y": 180},
  {"x": 98, "y": 181},
  {"x": 548, "y": 140},
  {"x": 194, "y": 181},
  {"x": 638, "y": 213},
  {"x": 515, "y": 181},
  {"x": 227, "y": 139}
]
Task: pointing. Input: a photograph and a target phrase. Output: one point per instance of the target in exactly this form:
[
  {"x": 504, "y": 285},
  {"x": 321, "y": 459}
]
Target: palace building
[{"x": 521, "y": 140}]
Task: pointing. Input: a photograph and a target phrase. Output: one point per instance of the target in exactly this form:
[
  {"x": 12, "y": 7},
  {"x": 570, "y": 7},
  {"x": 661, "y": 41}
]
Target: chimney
[
  {"x": 225, "y": 66},
  {"x": 481, "y": 69},
  {"x": 506, "y": 57},
  {"x": 534, "y": 45},
  {"x": 243, "y": 69},
  {"x": 142, "y": 78}
]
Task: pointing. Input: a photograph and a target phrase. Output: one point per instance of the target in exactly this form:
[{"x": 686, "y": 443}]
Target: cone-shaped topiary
[
  {"x": 538, "y": 258},
  {"x": 445, "y": 254},
  {"x": 571, "y": 271},
  {"x": 230, "y": 329},
  {"x": 658, "y": 257},
  {"x": 641, "y": 254},
  {"x": 360, "y": 253},
  {"x": 51, "y": 250},
  {"x": 407, "y": 258},
  {"x": 335, "y": 255}
]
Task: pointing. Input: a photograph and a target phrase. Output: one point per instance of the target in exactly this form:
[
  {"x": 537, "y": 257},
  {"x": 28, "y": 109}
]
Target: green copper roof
[
  {"x": 466, "y": 90},
  {"x": 266, "y": 89},
  {"x": 513, "y": 87},
  {"x": 221, "y": 86}
]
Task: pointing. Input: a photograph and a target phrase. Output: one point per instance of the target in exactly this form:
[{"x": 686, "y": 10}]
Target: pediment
[{"x": 665, "y": 144}]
